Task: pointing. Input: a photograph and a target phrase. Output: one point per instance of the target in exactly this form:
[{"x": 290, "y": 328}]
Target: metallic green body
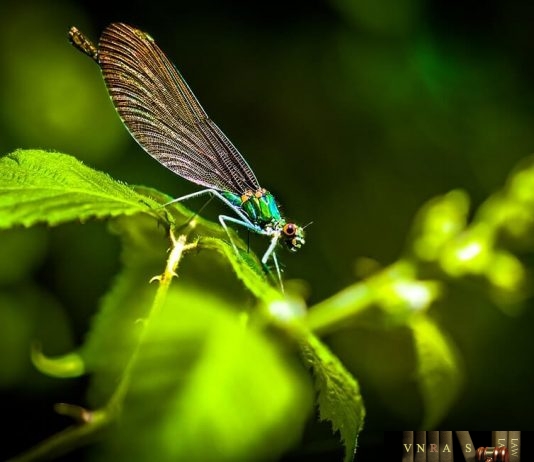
[{"x": 260, "y": 207}]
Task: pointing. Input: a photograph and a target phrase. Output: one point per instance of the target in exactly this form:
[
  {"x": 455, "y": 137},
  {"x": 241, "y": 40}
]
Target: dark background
[{"x": 354, "y": 113}]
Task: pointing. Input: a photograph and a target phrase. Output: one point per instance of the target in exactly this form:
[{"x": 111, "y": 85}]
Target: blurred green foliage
[
  {"x": 354, "y": 114},
  {"x": 50, "y": 95}
]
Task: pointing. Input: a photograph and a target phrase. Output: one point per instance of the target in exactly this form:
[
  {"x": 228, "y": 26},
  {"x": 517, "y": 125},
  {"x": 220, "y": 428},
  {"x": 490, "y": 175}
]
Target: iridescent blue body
[{"x": 165, "y": 118}]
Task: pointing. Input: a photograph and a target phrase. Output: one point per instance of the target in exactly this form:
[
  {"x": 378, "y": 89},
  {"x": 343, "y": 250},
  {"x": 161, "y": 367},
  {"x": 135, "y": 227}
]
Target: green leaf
[
  {"x": 116, "y": 327},
  {"x": 247, "y": 268},
  {"x": 438, "y": 222},
  {"x": 207, "y": 384},
  {"x": 53, "y": 188},
  {"x": 438, "y": 371},
  {"x": 339, "y": 398},
  {"x": 64, "y": 366}
]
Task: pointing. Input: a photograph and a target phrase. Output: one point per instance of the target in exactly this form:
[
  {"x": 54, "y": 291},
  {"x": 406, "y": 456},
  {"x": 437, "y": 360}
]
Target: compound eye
[{"x": 289, "y": 229}]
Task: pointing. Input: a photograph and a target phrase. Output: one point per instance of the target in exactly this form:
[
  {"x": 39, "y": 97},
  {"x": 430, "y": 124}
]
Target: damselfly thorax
[{"x": 261, "y": 208}]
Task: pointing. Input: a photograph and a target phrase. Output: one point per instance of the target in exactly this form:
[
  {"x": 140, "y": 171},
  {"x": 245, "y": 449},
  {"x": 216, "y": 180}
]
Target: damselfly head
[{"x": 293, "y": 236}]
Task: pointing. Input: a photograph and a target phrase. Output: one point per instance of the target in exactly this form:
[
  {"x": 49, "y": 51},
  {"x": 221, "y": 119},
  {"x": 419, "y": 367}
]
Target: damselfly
[{"x": 165, "y": 118}]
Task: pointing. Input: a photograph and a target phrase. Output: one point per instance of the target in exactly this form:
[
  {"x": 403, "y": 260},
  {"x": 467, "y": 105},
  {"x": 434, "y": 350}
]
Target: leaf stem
[
  {"x": 179, "y": 246},
  {"x": 90, "y": 422}
]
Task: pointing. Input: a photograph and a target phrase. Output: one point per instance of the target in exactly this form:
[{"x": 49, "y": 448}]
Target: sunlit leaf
[
  {"x": 439, "y": 221},
  {"x": 339, "y": 398},
  {"x": 438, "y": 371},
  {"x": 64, "y": 366},
  {"x": 116, "y": 327},
  {"x": 246, "y": 267},
  {"x": 48, "y": 187},
  {"x": 207, "y": 385}
]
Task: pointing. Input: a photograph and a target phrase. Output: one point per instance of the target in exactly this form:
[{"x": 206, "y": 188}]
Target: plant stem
[
  {"x": 179, "y": 246},
  {"x": 97, "y": 420}
]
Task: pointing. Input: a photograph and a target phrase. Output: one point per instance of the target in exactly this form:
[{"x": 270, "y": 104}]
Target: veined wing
[{"x": 164, "y": 116}]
